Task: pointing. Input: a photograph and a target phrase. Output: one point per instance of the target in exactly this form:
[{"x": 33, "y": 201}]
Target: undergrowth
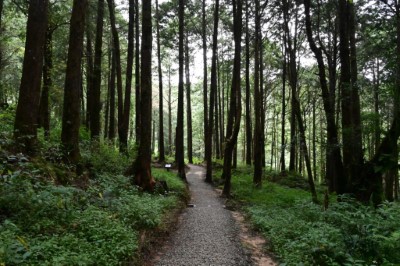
[
  {"x": 303, "y": 233},
  {"x": 53, "y": 214}
]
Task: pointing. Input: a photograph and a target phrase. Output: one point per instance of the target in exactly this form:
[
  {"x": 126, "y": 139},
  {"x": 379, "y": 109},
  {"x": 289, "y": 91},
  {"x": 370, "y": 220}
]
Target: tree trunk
[
  {"x": 137, "y": 75},
  {"x": 44, "y": 112},
  {"x": 213, "y": 89},
  {"x": 25, "y": 127},
  {"x": 249, "y": 139},
  {"x": 257, "y": 178},
  {"x": 111, "y": 132},
  {"x": 161, "y": 149},
  {"x": 96, "y": 83},
  {"x": 141, "y": 167},
  {"x": 233, "y": 125},
  {"x": 205, "y": 85},
  {"x": 283, "y": 144},
  {"x": 169, "y": 113},
  {"x": 73, "y": 79},
  {"x": 118, "y": 68},
  {"x": 335, "y": 173},
  {"x": 179, "y": 153},
  {"x": 89, "y": 76},
  {"x": 188, "y": 102},
  {"x": 126, "y": 108}
]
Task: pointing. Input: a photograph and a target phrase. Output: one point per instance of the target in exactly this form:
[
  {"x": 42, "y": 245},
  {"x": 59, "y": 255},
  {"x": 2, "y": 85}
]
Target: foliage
[
  {"x": 347, "y": 233},
  {"x": 42, "y": 223}
]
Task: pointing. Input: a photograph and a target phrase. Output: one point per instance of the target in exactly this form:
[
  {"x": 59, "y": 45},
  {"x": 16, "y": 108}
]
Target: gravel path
[{"x": 207, "y": 233}]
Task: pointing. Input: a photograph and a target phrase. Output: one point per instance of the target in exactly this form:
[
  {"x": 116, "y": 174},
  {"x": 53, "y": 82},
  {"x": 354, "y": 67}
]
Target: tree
[
  {"x": 249, "y": 139},
  {"x": 73, "y": 79},
  {"x": 233, "y": 125},
  {"x": 137, "y": 74},
  {"x": 257, "y": 178},
  {"x": 188, "y": 101},
  {"x": 335, "y": 175},
  {"x": 213, "y": 89},
  {"x": 179, "y": 152},
  {"x": 161, "y": 149},
  {"x": 141, "y": 167},
  {"x": 96, "y": 82},
  {"x": 25, "y": 126},
  {"x": 205, "y": 85}
]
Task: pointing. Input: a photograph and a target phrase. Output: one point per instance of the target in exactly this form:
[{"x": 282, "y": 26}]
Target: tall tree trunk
[
  {"x": 118, "y": 69},
  {"x": 233, "y": 125},
  {"x": 89, "y": 75},
  {"x": 25, "y": 126},
  {"x": 73, "y": 79},
  {"x": 213, "y": 88},
  {"x": 179, "y": 153},
  {"x": 249, "y": 138},
  {"x": 44, "y": 112},
  {"x": 283, "y": 122},
  {"x": 335, "y": 173},
  {"x": 377, "y": 128},
  {"x": 126, "y": 108},
  {"x": 161, "y": 149},
  {"x": 257, "y": 178},
  {"x": 141, "y": 167},
  {"x": 205, "y": 85},
  {"x": 188, "y": 101},
  {"x": 111, "y": 132},
  {"x": 137, "y": 74},
  {"x": 169, "y": 112},
  {"x": 96, "y": 83}
]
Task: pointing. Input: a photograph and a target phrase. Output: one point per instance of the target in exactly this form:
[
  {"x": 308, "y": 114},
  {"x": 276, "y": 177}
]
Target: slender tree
[
  {"x": 96, "y": 83},
  {"x": 257, "y": 178},
  {"x": 161, "y": 149},
  {"x": 249, "y": 138},
  {"x": 25, "y": 126},
  {"x": 126, "y": 109},
  {"x": 235, "y": 100},
  {"x": 44, "y": 112},
  {"x": 179, "y": 152},
  {"x": 137, "y": 74},
  {"x": 205, "y": 85},
  {"x": 188, "y": 101},
  {"x": 213, "y": 89},
  {"x": 73, "y": 79}
]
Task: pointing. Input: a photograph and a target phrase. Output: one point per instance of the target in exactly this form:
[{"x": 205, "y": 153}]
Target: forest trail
[{"x": 207, "y": 233}]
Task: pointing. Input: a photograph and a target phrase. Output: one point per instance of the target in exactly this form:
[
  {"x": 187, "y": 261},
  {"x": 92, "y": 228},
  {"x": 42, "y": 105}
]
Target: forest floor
[{"x": 209, "y": 234}]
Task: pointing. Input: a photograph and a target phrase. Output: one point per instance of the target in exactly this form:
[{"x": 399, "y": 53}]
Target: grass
[{"x": 303, "y": 233}]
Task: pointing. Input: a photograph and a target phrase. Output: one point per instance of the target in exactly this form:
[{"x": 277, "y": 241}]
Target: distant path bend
[{"x": 207, "y": 233}]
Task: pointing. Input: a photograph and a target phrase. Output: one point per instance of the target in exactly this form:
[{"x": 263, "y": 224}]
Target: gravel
[{"x": 207, "y": 233}]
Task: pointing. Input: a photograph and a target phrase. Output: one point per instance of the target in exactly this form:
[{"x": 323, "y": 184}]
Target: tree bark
[
  {"x": 249, "y": 138},
  {"x": 73, "y": 79},
  {"x": 257, "y": 178},
  {"x": 111, "y": 132},
  {"x": 188, "y": 102},
  {"x": 213, "y": 88},
  {"x": 161, "y": 148},
  {"x": 233, "y": 125},
  {"x": 44, "y": 112},
  {"x": 96, "y": 83},
  {"x": 335, "y": 173},
  {"x": 141, "y": 167},
  {"x": 137, "y": 74},
  {"x": 205, "y": 85},
  {"x": 25, "y": 126},
  {"x": 179, "y": 153}
]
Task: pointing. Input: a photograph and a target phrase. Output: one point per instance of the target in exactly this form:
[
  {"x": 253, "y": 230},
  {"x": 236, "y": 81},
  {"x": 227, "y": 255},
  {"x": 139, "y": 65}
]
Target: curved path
[{"x": 207, "y": 233}]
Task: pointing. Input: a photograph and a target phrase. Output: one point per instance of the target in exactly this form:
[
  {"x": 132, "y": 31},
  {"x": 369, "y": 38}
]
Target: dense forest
[{"x": 293, "y": 107}]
